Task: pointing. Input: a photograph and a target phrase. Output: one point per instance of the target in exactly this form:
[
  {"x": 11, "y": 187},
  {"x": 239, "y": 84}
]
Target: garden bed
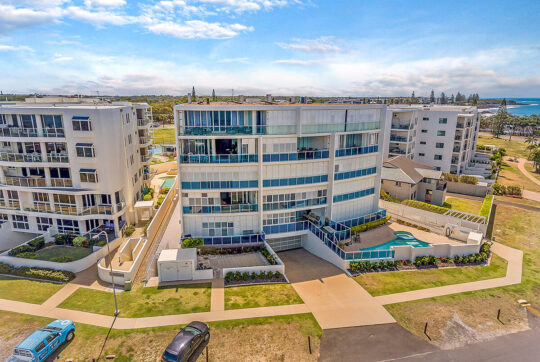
[{"x": 239, "y": 279}]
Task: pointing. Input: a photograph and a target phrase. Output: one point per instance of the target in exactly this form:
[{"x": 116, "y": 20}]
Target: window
[
  {"x": 398, "y": 184},
  {"x": 49, "y": 121},
  {"x": 218, "y": 228},
  {"x": 68, "y": 226},
  {"x": 438, "y": 157},
  {"x": 88, "y": 175},
  {"x": 441, "y": 133},
  {"x": 85, "y": 150},
  {"x": 44, "y": 223},
  {"x": 20, "y": 222},
  {"x": 425, "y": 119},
  {"x": 439, "y": 145},
  {"x": 424, "y": 131},
  {"x": 129, "y": 138},
  {"x": 3, "y": 218},
  {"x": 421, "y": 154},
  {"x": 443, "y": 120},
  {"x": 81, "y": 124},
  {"x": 437, "y": 168},
  {"x": 422, "y": 142}
]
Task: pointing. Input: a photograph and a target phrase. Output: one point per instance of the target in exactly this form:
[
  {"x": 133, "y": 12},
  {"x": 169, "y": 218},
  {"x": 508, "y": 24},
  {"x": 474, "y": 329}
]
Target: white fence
[
  {"x": 428, "y": 218},
  {"x": 279, "y": 267},
  {"x": 407, "y": 252},
  {"x": 133, "y": 250},
  {"x": 72, "y": 266}
]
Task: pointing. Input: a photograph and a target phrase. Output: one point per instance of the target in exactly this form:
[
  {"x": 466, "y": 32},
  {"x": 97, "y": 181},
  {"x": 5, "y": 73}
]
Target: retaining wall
[
  {"x": 407, "y": 252},
  {"x": 279, "y": 267},
  {"x": 467, "y": 189},
  {"x": 138, "y": 245}
]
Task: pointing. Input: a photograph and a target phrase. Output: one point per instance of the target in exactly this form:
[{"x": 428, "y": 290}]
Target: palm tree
[{"x": 534, "y": 156}]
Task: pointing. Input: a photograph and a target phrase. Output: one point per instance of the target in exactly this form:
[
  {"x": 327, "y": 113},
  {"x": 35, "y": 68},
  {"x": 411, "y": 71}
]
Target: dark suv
[{"x": 188, "y": 343}]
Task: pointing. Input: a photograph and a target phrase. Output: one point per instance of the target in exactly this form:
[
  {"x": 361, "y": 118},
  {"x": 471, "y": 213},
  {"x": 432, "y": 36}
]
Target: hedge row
[
  {"x": 406, "y": 223},
  {"x": 425, "y": 206},
  {"x": 513, "y": 190},
  {"x": 245, "y": 276},
  {"x": 30, "y": 247},
  {"x": 37, "y": 273},
  {"x": 369, "y": 225},
  {"x": 463, "y": 178},
  {"x": 486, "y": 205}
]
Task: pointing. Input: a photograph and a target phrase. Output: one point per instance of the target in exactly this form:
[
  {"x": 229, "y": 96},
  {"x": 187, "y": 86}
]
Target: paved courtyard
[{"x": 219, "y": 262}]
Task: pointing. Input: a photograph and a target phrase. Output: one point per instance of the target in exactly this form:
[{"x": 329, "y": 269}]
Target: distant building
[{"x": 405, "y": 179}]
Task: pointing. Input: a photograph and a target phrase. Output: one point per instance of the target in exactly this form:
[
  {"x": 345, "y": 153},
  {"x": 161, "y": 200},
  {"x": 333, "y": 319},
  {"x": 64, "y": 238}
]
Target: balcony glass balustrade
[
  {"x": 61, "y": 182},
  {"x": 353, "y": 151},
  {"x": 57, "y": 157},
  {"x": 400, "y": 139},
  {"x": 20, "y": 157},
  {"x": 300, "y": 155},
  {"x": 142, "y": 122},
  {"x": 11, "y": 204},
  {"x": 145, "y": 158},
  {"x": 25, "y": 181},
  {"x": 31, "y": 132},
  {"x": 218, "y": 158},
  {"x": 221, "y": 209},
  {"x": 399, "y": 126}
]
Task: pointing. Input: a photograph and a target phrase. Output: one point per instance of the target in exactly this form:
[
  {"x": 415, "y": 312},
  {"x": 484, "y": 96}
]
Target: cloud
[
  {"x": 99, "y": 17},
  {"x": 61, "y": 58},
  {"x": 233, "y": 60},
  {"x": 323, "y": 44},
  {"x": 104, "y": 3},
  {"x": 294, "y": 61},
  {"x": 7, "y": 48},
  {"x": 198, "y": 29},
  {"x": 13, "y": 18}
]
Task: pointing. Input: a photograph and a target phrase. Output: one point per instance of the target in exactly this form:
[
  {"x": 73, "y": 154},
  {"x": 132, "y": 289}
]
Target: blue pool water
[{"x": 403, "y": 238}]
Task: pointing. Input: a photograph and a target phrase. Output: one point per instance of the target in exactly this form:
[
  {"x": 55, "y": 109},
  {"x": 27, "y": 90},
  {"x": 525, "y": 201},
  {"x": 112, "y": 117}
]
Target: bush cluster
[
  {"x": 268, "y": 256},
  {"x": 129, "y": 230},
  {"x": 425, "y": 206},
  {"x": 512, "y": 190},
  {"x": 80, "y": 241},
  {"x": 29, "y": 248},
  {"x": 369, "y": 225},
  {"x": 406, "y": 223},
  {"x": 164, "y": 190},
  {"x": 27, "y": 255},
  {"x": 159, "y": 201},
  {"x": 63, "y": 239},
  {"x": 245, "y": 276},
  {"x": 192, "y": 243},
  {"x": 386, "y": 197},
  {"x": 227, "y": 251},
  {"x": 471, "y": 259},
  {"x": 367, "y": 265},
  {"x": 62, "y": 259},
  {"x": 38, "y": 273}
]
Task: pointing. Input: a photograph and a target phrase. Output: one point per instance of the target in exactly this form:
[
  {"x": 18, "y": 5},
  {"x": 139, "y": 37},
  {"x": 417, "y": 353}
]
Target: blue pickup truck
[{"x": 41, "y": 343}]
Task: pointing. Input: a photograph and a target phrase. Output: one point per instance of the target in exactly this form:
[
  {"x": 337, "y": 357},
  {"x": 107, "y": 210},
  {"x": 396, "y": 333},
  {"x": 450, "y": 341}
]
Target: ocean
[{"x": 532, "y": 107}]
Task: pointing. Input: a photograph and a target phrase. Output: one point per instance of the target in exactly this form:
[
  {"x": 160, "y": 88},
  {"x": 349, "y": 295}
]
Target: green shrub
[
  {"x": 37, "y": 243},
  {"x": 369, "y": 225},
  {"x": 485, "y": 248},
  {"x": 80, "y": 241},
  {"x": 192, "y": 243},
  {"x": 229, "y": 276},
  {"x": 425, "y": 206},
  {"x": 450, "y": 177},
  {"x": 159, "y": 201},
  {"x": 27, "y": 255},
  {"x": 268, "y": 256},
  {"x": 61, "y": 239},
  {"x": 468, "y": 179},
  {"x": 245, "y": 276},
  {"x": 386, "y": 197},
  {"x": 62, "y": 259},
  {"x": 514, "y": 190},
  {"x": 164, "y": 190},
  {"x": 253, "y": 275},
  {"x": 277, "y": 275},
  {"x": 20, "y": 249},
  {"x": 147, "y": 197},
  {"x": 100, "y": 243},
  {"x": 498, "y": 189},
  {"x": 129, "y": 230},
  {"x": 486, "y": 205},
  {"x": 38, "y": 273}
]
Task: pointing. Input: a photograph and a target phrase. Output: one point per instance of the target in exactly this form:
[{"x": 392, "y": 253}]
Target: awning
[
  {"x": 87, "y": 170},
  {"x": 80, "y": 117}
]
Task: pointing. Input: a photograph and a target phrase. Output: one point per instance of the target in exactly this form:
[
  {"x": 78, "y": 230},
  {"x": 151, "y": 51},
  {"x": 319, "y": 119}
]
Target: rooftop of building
[
  {"x": 402, "y": 169},
  {"x": 434, "y": 107},
  {"x": 70, "y": 103}
]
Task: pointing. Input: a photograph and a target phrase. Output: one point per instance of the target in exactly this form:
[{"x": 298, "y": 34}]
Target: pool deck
[{"x": 385, "y": 233}]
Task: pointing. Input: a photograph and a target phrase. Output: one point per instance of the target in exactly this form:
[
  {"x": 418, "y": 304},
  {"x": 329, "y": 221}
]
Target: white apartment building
[
  {"x": 440, "y": 136},
  {"x": 278, "y": 171},
  {"x": 72, "y": 166}
]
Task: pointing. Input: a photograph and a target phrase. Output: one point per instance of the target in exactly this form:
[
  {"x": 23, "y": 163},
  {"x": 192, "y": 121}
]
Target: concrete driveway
[{"x": 335, "y": 300}]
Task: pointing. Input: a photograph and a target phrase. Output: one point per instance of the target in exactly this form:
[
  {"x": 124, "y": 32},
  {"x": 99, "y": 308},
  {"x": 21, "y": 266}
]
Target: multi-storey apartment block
[
  {"x": 72, "y": 166},
  {"x": 440, "y": 136},
  {"x": 278, "y": 171}
]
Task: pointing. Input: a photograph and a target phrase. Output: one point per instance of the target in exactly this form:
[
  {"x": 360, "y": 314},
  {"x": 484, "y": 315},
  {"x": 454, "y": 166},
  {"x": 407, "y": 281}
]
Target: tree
[
  {"x": 443, "y": 98},
  {"x": 500, "y": 120},
  {"x": 474, "y": 102},
  {"x": 452, "y": 99},
  {"x": 193, "y": 92},
  {"x": 213, "y": 95},
  {"x": 534, "y": 156},
  {"x": 432, "y": 97}
]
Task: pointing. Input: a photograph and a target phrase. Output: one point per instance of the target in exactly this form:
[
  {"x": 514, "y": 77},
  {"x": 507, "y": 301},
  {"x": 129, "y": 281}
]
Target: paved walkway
[
  {"x": 521, "y": 166},
  {"x": 335, "y": 300},
  {"x": 513, "y": 276},
  {"x": 217, "y": 301}
]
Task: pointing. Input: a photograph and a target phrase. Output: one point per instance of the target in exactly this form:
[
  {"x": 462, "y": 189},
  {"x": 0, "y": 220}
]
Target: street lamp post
[{"x": 116, "y": 311}]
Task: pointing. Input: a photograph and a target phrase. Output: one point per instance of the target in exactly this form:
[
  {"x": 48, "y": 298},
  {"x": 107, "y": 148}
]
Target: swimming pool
[
  {"x": 169, "y": 181},
  {"x": 403, "y": 238}
]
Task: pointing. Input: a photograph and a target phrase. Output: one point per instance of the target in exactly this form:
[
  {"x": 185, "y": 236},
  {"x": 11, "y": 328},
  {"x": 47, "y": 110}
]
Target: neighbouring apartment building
[
  {"x": 72, "y": 166},
  {"x": 440, "y": 136},
  {"x": 278, "y": 171}
]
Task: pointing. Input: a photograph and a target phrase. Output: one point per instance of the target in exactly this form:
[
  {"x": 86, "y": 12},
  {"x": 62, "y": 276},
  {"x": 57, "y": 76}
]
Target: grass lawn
[
  {"x": 253, "y": 296},
  {"x": 516, "y": 200},
  {"x": 529, "y": 167},
  {"x": 454, "y": 319},
  {"x": 143, "y": 302},
  {"x": 29, "y": 291},
  {"x": 58, "y": 251},
  {"x": 164, "y": 135},
  {"x": 513, "y": 147},
  {"x": 465, "y": 205},
  {"x": 511, "y": 175},
  {"x": 397, "y": 282},
  {"x": 257, "y": 339}
]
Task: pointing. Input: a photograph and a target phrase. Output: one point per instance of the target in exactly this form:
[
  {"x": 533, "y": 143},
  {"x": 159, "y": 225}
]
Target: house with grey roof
[{"x": 405, "y": 179}]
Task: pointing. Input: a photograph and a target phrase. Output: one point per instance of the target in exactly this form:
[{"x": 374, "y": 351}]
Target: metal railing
[
  {"x": 61, "y": 182},
  {"x": 217, "y": 158},
  {"x": 300, "y": 155},
  {"x": 20, "y": 157},
  {"x": 57, "y": 157},
  {"x": 145, "y": 158},
  {"x": 353, "y": 151},
  {"x": 25, "y": 181},
  {"x": 142, "y": 122}
]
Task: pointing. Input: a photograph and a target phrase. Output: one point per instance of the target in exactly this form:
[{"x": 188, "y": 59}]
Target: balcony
[
  {"x": 57, "y": 157},
  {"x": 400, "y": 139},
  {"x": 457, "y": 138},
  {"x": 397, "y": 151},
  {"x": 61, "y": 182},
  {"x": 20, "y": 157},
  {"x": 218, "y": 158},
  {"x": 223, "y": 209},
  {"x": 145, "y": 141},
  {"x": 353, "y": 151},
  {"x": 300, "y": 155},
  {"x": 25, "y": 181},
  {"x": 459, "y": 125},
  {"x": 455, "y": 161},
  {"x": 45, "y": 208},
  {"x": 145, "y": 158},
  {"x": 456, "y": 149},
  {"x": 400, "y": 126},
  {"x": 31, "y": 132},
  {"x": 143, "y": 122},
  {"x": 11, "y": 205},
  {"x": 97, "y": 210}
]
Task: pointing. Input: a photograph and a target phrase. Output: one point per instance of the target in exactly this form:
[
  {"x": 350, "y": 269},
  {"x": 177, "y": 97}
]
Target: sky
[{"x": 283, "y": 47}]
